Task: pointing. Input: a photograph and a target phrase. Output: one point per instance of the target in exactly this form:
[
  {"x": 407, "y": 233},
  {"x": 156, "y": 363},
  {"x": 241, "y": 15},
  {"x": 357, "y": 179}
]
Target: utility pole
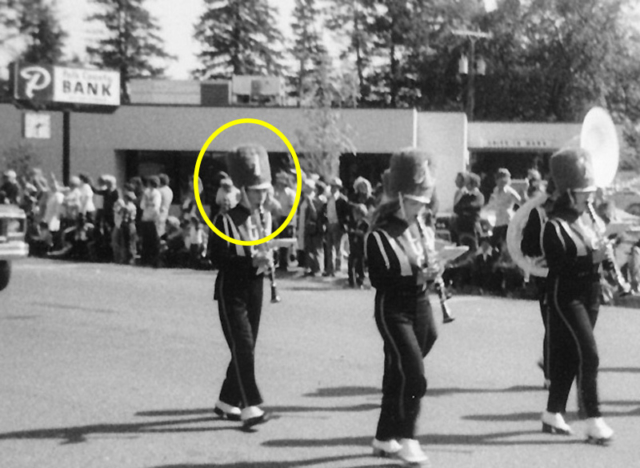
[{"x": 473, "y": 36}]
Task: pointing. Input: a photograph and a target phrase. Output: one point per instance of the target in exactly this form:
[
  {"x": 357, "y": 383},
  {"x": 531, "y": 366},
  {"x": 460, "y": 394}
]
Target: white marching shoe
[
  {"x": 412, "y": 454},
  {"x": 385, "y": 448},
  {"x": 253, "y": 415},
  {"x": 598, "y": 432},
  {"x": 227, "y": 411},
  {"x": 553, "y": 423}
]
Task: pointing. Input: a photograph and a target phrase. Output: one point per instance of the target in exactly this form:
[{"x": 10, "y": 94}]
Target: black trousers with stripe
[
  {"x": 541, "y": 293},
  {"x": 240, "y": 307},
  {"x": 408, "y": 329},
  {"x": 573, "y": 306}
]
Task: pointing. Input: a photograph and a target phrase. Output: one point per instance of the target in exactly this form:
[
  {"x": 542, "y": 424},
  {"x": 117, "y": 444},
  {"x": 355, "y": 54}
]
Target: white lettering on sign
[
  {"x": 86, "y": 86},
  {"x": 37, "y": 78},
  {"x": 517, "y": 144}
]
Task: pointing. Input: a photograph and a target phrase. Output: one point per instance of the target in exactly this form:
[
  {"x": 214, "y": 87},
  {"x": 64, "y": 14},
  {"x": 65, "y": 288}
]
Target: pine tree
[
  {"x": 132, "y": 46},
  {"x": 354, "y": 18},
  {"x": 41, "y": 28},
  {"x": 33, "y": 27},
  {"x": 308, "y": 48},
  {"x": 238, "y": 37}
]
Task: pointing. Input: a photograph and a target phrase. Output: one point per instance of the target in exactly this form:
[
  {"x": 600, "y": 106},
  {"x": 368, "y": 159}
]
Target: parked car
[{"x": 12, "y": 244}]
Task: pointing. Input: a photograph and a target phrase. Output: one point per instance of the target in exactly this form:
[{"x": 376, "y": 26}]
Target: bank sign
[{"x": 55, "y": 84}]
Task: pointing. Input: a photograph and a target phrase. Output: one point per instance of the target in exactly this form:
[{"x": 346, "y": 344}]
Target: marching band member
[
  {"x": 401, "y": 262},
  {"x": 531, "y": 246},
  {"x": 239, "y": 284},
  {"x": 574, "y": 253}
]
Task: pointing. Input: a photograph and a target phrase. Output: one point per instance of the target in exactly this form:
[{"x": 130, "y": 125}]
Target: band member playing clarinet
[
  {"x": 574, "y": 253},
  {"x": 401, "y": 263},
  {"x": 239, "y": 284}
]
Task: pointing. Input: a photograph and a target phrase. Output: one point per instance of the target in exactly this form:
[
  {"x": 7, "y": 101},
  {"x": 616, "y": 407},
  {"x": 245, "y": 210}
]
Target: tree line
[{"x": 546, "y": 60}]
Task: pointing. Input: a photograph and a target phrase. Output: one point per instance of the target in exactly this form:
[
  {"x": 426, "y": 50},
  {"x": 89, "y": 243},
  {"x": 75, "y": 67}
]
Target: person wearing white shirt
[
  {"x": 502, "y": 201},
  {"x": 87, "y": 206},
  {"x": 166, "y": 198},
  {"x": 150, "y": 205}
]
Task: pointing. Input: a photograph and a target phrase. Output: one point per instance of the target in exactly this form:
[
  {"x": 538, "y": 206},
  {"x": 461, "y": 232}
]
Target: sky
[{"x": 175, "y": 18}]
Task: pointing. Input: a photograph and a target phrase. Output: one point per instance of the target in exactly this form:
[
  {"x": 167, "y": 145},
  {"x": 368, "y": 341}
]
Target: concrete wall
[
  {"x": 48, "y": 152},
  {"x": 95, "y": 138}
]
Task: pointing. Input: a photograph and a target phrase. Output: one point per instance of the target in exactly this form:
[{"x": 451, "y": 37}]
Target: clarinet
[
  {"x": 609, "y": 263},
  {"x": 441, "y": 290},
  {"x": 275, "y": 298}
]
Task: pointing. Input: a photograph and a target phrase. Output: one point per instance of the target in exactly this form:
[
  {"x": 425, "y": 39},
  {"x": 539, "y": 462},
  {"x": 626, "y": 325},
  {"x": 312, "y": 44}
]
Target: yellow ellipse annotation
[{"x": 298, "y": 181}]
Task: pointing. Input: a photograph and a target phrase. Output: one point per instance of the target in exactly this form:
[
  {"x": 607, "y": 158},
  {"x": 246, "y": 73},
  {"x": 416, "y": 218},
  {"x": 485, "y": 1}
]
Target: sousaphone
[{"x": 599, "y": 137}]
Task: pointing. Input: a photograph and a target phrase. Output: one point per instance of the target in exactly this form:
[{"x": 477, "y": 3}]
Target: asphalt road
[{"x": 116, "y": 366}]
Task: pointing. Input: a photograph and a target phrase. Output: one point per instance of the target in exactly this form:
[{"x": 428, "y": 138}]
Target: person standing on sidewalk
[
  {"x": 401, "y": 263},
  {"x": 574, "y": 252},
  {"x": 239, "y": 283},
  {"x": 337, "y": 214}
]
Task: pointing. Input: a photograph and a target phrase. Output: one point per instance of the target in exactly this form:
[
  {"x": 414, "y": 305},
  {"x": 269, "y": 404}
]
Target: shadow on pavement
[
  {"x": 435, "y": 392},
  {"x": 432, "y": 440},
  {"x": 530, "y": 416},
  {"x": 302, "y": 409},
  {"x": 78, "y": 434},
  {"x": 273, "y": 408},
  {"x": 344, "y": 392},
  {"x": 175, "y": 412},
  {"x": 285, "y": 464},
  {"x": 332, "y": 392},
  {"x": 633, "y": 370}
]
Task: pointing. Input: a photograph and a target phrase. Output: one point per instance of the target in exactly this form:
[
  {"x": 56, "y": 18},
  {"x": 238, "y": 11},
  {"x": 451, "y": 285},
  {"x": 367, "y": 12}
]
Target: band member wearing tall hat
[
  {"x": 574, "y": 253},
  {"x": 401, "y": 263},
  {"x": 239, "y": 284}
]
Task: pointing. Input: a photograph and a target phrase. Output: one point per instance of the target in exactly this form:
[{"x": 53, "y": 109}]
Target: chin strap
[{"x": 402, "y": 210}]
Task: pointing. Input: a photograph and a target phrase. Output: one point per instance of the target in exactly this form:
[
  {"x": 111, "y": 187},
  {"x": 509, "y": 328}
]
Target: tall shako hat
[
  {"x": 409, "y": 175},
  {"x": 248, "y": 167},
  {"x": 571, "y": 170}
]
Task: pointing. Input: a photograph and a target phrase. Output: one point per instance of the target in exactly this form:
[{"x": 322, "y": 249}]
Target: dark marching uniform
[
  {"x": 239, "y": 291},
  {"x": 573, "y": 298},
  {"x": 239, "y": 283},
  {"x": 401, "y": 259},
  {"x": 574, "y": 251},
  {"x": 405, "y": 321}
]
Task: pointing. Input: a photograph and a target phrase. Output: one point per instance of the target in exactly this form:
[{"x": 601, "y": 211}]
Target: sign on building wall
[
  {"x": 519, "y": 143},
  {"x": 42, "y": 84},
  {"x": 37, "y": 125}
]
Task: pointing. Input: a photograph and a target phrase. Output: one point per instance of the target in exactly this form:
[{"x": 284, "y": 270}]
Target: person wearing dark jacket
[
  {"x": 531, "y": 246},
  {"x": 468, "y": 213},
  {"x": 401, "y": 260},
  {"x": 336, "y": 214},
  {"x": 358, "y": 229},
  {"x": 574, "y": 252},
  {"x": 239, "y": 283}
]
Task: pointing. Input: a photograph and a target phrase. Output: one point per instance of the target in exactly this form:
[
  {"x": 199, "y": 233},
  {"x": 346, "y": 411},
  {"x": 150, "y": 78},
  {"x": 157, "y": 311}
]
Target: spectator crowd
[{"x": 140, "y": 223}]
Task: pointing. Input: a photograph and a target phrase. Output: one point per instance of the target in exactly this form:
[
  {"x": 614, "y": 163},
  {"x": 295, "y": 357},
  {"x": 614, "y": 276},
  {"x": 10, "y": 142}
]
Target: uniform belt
[{"x": 405, "y": 291}]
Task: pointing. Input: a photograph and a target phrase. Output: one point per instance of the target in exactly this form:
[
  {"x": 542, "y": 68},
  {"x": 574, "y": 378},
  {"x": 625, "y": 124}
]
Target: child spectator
[
  {"x": 42, "y": 242},
  {"x": 357, "y": 229},
  {"x": 485, "y": 259},
  {"x": 124, "y": 231},
  {"x": 173, "y": 244},
  {"x": 196, "y": 243}
]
